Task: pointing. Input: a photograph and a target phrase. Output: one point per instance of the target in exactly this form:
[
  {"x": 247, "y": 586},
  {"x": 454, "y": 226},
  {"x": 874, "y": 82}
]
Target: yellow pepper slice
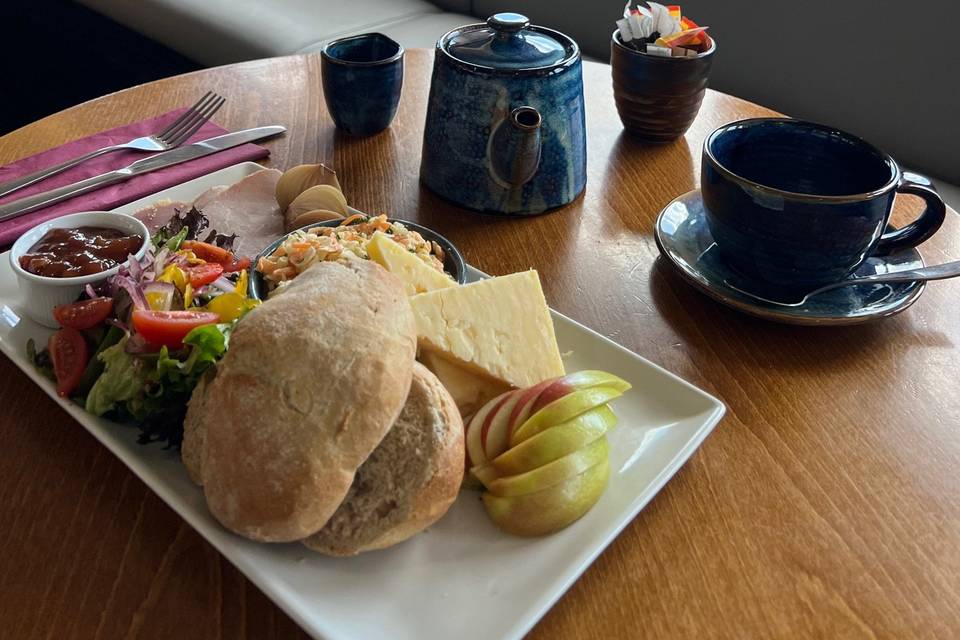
[
  {"x": 175, "y": 276},
  {"x": 242, "y": 283},
  {"x": 230, "y": 306}
]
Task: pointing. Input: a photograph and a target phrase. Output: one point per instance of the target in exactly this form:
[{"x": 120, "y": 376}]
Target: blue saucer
[{"x": 684, "y": 240}]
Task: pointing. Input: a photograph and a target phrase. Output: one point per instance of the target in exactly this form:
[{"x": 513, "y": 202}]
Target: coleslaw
[{"x": 301, "y": 249}]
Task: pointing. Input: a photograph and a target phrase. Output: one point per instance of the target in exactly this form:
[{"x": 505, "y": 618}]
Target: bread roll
[
  {"x": 408, "y": 482},
  {"x": 194, "y": 436},
  {"x": 313, "y": 380}
]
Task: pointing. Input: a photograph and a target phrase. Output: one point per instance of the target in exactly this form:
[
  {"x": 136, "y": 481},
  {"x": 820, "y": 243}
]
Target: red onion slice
[
  {"x": 131, "y": 287},
  {"x": 165, "y": 289},
  {"x": 223, "y": 284}
]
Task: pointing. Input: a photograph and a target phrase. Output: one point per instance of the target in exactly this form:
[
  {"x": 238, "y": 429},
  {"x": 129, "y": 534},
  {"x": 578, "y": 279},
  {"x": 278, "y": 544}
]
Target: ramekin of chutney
[
  {"x": 66, "y": 253},
  {"x": 55, "y": 260}
]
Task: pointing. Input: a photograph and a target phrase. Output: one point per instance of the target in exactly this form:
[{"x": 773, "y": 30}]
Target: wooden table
[{"x": 826, "y": 503}]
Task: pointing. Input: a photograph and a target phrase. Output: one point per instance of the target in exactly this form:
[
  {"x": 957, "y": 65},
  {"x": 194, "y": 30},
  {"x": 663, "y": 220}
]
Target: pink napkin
[{"x": 116, "y": 194}]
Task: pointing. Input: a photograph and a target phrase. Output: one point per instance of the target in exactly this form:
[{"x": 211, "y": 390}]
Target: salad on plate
[{"x": 133, "y": 348}]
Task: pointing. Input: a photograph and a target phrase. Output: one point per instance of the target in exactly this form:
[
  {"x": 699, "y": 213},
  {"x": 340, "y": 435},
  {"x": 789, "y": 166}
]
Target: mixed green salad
[{"x": 134, "y": 348}]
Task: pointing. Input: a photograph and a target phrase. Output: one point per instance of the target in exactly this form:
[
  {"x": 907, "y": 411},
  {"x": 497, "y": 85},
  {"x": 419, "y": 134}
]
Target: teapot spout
[{"x": 514, "y": 149}]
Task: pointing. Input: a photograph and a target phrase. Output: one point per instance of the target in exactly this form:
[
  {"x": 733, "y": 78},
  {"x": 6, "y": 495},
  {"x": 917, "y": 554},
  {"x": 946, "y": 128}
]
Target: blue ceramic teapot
[{"x": 505, "y": 128}]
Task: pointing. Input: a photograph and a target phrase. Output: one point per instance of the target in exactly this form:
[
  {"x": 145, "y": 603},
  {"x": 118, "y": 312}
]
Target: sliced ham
[
  {"x": 208, "y": 196},
  {"x": 159, "y": 214},
  {"x": 247, "y": 209}
]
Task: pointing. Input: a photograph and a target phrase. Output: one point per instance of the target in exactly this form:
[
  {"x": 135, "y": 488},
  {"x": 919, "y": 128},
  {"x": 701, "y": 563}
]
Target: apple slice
[
  {"x": 552, "y": 473},
  {"x": 566, "y": 408},
  {"x": 475, "y": 454},
  {"x": 494, "y": 435},
  {"x": 524, "y": 407},
  {"x": 485, "y": 473},
  {"x": 575, "y": 381},
  {"x": 470, "y": 483},
  {"x": 552, "y": 509},
  {"x": 556, "y": 442}
]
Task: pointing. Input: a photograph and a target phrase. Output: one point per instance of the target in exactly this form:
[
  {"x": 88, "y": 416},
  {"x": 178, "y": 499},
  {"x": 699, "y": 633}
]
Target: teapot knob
[{"x": 506, "y": 24}]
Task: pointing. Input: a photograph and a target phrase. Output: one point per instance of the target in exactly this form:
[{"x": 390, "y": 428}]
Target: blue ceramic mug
[
  {"x": 362, "y": 78},
  {"x": 800, "y": 204}
]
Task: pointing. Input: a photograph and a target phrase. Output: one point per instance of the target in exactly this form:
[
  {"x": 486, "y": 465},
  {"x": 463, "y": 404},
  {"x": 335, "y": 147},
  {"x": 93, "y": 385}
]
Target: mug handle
[{"x": 923, "y": 227}]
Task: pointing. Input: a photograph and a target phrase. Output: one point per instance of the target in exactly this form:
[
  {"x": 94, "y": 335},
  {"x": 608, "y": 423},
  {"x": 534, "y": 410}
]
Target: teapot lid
[{"x": 507, "y": 42}]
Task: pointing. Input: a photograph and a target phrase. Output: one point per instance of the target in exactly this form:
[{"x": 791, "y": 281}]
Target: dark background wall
[
  {"x": 886, "y": 70},
  {"x": 55, "y": 54}
]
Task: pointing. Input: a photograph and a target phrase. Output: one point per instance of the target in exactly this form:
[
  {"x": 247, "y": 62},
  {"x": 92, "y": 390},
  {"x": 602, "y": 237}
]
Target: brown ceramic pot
[{"x": 658, "y": 98}]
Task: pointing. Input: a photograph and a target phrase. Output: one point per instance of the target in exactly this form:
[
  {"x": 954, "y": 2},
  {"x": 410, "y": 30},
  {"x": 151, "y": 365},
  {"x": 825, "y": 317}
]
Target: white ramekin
[{"x": 40, "y": 294}]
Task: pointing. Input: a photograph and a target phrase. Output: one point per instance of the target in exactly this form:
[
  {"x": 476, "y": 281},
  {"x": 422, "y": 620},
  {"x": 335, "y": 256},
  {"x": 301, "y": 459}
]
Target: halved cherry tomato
[
  {"x": 238, "y": 264},
  {"x": 205, "y": 273},
  {"x": 84, "y": 314},
  {"x": 213, "y": 253},
  {"x": 70, "y": 354},
  {"x": 169, "y": 328},
  {"x": 207, "y": 251}
]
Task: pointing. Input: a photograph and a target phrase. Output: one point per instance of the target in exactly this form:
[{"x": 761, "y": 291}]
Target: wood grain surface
[{"x": 826, "y": 503}]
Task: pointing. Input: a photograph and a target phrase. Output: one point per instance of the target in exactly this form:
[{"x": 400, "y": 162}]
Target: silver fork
[
  {"x": 173, "y": 136},
  {"x": 923, "y": 274}
]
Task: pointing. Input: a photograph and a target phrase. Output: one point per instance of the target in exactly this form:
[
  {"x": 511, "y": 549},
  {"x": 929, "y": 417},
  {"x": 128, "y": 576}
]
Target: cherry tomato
[
  {"x": 69, "y": 352},
  {"x": 84, "y": 314},
  {"x": 238, "y": 264},
  {"x": 207, "y": 251},
  {"x": 169, "y": 328},
  {"x": 205, "y": 273}
]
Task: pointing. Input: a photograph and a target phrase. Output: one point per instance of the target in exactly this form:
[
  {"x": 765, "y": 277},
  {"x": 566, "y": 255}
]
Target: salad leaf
[
  {"x": 161, "y": 419},
  {"x": 210, "y": 341},
  {"x": 175, "y": 241},
  {"x": 122, "y": 379},
  {"x": 96, "y": 366},
  {"x": 40, "y": 359},
  {"x": 162, "y": 407},
  {"x": 222, "y": 240},
  {"x": 192, "y": 220},
  {"x": 188, "y": 226},
  {"x": 153, "y": 389},
  {"x": 207, "y": 345}
]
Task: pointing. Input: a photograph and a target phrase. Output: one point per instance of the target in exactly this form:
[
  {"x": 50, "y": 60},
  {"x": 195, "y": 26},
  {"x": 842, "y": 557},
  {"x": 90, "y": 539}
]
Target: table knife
[{"x": 145, "y": 165}]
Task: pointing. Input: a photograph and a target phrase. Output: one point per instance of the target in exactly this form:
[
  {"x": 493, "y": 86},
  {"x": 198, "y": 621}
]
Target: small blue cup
[
  {"x": 799, "y": 204},
  {"x": 362, "y": 78}
]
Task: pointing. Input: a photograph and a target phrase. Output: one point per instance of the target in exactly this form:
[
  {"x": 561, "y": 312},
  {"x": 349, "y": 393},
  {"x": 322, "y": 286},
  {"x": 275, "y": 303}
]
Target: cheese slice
[
  {"x": 499, "y": 327},
  {"x": 469, "y": 389},
  {"x": 417, "y": 276}
]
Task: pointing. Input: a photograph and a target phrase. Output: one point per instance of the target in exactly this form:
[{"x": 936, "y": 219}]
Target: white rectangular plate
[{"x": 462, "y": 578}]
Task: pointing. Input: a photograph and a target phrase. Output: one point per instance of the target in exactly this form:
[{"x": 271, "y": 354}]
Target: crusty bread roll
[
  {"x": 313, "y": 380},
  {"x": 194, "y": 435},
  {"x": 408, "y": 482}
]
